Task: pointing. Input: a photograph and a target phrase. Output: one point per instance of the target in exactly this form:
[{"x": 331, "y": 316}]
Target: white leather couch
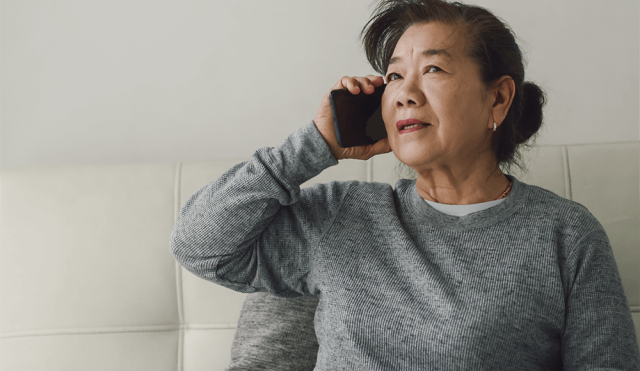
[{"x": 88, "y": 282}]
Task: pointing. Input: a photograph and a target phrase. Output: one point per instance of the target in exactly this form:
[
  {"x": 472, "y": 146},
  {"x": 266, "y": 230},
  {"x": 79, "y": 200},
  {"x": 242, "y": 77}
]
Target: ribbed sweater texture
[{"x": 529, "y": 284}]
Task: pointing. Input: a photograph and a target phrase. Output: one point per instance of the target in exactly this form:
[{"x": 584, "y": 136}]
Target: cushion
[{"x": 275, "y": 333}]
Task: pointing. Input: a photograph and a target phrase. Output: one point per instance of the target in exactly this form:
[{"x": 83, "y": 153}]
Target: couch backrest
[{"x": 88, "y": 281}]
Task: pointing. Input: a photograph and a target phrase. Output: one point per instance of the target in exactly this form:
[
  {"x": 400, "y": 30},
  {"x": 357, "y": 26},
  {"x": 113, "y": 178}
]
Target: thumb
[{"x": 377, "y": 148}]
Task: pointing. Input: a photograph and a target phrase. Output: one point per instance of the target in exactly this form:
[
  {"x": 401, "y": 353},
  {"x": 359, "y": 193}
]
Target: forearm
[{"x": 226, "y": 219}]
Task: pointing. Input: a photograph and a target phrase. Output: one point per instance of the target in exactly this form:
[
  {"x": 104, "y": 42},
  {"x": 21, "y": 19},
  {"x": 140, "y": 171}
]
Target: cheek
[
  {"x": 462, "y": 107},
  {"x": 388, "y": 116},
  {"x": 387, "y": 113}
]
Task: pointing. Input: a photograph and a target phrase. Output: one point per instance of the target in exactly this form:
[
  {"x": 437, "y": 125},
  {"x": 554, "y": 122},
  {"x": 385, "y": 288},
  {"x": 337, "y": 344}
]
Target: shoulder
[
  {"x": 404, "y": 186},
  {"x": 568, "y": 218},
  {"x": 351, "y": 186},
  {"x": 348, "y": 193},
  {"x": 540, "y": 198}
]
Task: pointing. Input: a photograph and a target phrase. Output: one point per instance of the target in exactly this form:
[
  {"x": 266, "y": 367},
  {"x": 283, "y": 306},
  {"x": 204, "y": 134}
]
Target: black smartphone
[{"x": 357, "y": 119}]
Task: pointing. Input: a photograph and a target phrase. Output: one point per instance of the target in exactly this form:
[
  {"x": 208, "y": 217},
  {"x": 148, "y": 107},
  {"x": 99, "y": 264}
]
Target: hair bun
[{"x": 533, "y": 101}]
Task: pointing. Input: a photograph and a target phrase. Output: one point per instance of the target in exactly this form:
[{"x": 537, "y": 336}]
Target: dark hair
[{"x": 490, "y": 43}]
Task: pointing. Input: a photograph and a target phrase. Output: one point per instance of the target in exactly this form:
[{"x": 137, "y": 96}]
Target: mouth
[{"x": 409, "y": 125}]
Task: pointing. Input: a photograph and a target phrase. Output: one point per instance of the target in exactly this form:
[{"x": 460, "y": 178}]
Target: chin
[{"x": 414, "y": 156}]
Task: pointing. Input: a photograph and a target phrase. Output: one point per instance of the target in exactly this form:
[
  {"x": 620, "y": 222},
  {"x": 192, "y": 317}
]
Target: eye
[
  {"x": 393, "y": 76},
  {"x": 433, "y": 69}
]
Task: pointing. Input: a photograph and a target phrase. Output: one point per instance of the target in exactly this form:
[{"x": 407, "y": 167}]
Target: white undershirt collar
[{"x": 462, "y": 210}]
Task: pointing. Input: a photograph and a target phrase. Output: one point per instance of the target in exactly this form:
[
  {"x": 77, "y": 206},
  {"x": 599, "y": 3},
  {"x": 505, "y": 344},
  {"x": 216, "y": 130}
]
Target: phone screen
[{"x": 357, "y": 118}]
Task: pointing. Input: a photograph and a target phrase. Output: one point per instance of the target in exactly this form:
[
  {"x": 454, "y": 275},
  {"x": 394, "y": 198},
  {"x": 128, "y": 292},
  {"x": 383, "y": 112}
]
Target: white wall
[{"x": 154, "y": 80}]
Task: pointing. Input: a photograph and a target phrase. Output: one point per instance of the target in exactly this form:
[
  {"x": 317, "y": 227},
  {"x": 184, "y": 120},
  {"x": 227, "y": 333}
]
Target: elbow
[
  {"x": 186, "y": 253},
  {"x": 184, "y": 245},
  {"x": 194, "y": 252},
  {"x": 177, "y": 247}
]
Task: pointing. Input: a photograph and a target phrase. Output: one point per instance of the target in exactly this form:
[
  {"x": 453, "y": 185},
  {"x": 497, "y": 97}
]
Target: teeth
[{"x": 410, "y": 126}]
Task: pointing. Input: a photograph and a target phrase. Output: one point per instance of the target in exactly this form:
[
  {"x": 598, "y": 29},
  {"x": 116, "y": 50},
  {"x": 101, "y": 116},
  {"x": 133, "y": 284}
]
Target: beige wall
[{"x": 156, "y": 80}]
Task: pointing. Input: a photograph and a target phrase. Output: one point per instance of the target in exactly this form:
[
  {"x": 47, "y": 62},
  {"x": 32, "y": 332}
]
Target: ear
[{"x": 503, "y": 91}]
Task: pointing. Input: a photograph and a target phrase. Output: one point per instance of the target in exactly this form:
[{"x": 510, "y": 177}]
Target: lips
[{"x": 409, "y": 125}]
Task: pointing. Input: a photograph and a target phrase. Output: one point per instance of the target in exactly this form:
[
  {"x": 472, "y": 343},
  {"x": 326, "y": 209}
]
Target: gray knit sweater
[{"x": 530, "y": 284}]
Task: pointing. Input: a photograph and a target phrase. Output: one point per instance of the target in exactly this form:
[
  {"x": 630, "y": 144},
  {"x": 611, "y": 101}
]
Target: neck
[{"x": 462, "y": 186}]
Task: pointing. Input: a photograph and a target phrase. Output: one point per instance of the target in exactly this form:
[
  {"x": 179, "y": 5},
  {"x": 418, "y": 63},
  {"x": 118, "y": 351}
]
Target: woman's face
[{"x": 432, "y": 81}]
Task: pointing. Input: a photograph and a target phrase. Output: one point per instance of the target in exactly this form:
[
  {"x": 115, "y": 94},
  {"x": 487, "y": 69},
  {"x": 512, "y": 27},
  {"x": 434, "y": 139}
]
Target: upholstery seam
[
  {"x": 567, "y": 172},
  {"x": 178, "y": 269},
  {"x": 119, "y": 330},
  {"x": 597, "y": 143}
]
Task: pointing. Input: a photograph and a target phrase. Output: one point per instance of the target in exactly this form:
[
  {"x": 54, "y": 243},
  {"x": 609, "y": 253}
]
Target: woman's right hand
[{"x": 324, "y": 119}]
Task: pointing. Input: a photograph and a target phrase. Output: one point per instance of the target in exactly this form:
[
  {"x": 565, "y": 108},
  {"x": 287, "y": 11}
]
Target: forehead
[{"x": 427, "y": 39}]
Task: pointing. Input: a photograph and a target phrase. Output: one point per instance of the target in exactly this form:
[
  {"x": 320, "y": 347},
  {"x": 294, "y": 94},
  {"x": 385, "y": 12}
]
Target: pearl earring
[{"x": 495, "y": 126}]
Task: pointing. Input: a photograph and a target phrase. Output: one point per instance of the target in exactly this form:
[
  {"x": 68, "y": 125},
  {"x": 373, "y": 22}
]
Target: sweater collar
[{"x": 422, "y": 211}]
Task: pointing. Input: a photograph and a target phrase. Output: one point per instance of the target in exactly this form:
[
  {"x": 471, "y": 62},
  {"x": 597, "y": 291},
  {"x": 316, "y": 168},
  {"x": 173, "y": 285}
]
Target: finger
[
  {"x": 365, "y": 84},
  {"x": 350, "y": 84},
  {"x": 369, "y": 83},
  {"x": 379, "y": 147},
  {"x": 367, "y": 151},
  {"x": 354, "y": 85},
  {"x": 338, "y": 85},
  {"x": 382, "y": 146},
  {"x": 376, "y": 80}
]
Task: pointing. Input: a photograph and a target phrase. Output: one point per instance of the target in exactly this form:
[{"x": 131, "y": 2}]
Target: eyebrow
[{"x": 425, "y": 53}]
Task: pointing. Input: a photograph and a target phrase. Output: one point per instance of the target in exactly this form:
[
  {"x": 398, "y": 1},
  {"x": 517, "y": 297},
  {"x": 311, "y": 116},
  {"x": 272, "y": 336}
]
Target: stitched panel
[
  {"x": 131, "y": 351},
  {"x": 87, "y": 246},
  {"x": 207, "y": 349},
  {"x": 89, "y": 331},
  {"x": 545, "y": 168}
]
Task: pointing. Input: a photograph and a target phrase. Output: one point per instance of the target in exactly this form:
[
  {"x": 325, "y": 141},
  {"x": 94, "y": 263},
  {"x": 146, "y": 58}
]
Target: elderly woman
[{"x": 464, "y": 268}]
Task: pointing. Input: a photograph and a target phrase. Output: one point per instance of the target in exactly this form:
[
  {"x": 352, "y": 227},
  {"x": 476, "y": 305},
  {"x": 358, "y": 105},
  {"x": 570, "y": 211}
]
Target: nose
[{"x": 410, "y": 94}]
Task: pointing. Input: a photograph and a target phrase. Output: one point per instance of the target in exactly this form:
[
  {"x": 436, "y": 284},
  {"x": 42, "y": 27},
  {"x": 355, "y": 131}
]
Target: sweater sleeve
[
  {"x": 599, "y": 332},
  {"x": 253, "y": 228}
]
